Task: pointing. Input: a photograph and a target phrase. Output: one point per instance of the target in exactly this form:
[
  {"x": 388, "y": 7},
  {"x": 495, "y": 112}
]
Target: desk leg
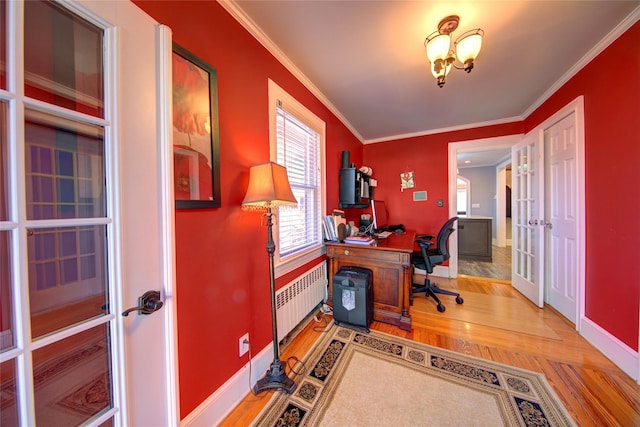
[
  {"x": 332, "y": 272},
  {"x": 406, "y": 293}
]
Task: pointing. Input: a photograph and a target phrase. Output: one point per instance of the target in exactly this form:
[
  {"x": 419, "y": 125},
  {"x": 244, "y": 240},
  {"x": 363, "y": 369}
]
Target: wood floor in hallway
[
  {"x": 490, "y": 325},
  {"x": 498, "y": 268}
]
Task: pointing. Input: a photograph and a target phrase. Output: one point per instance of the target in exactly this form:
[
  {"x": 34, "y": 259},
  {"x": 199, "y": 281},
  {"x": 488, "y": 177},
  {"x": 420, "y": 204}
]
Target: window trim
[{"x": 276, "y": 93}]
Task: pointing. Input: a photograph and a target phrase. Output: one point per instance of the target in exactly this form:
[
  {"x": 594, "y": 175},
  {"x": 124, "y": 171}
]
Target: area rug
[{"x": 353, "y": 378}]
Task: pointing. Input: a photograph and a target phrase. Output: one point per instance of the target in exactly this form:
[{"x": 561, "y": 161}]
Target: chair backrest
[
  {"x": 442, "y": 241},
  {"x": 439, "y": 254}
]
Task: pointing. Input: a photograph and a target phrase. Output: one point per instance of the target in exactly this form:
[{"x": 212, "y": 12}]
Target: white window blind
[{"x": 298, "y": 149}]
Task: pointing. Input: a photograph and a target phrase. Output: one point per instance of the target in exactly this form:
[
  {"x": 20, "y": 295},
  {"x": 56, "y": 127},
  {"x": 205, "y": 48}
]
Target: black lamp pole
[{"x": 276, "y": 377}]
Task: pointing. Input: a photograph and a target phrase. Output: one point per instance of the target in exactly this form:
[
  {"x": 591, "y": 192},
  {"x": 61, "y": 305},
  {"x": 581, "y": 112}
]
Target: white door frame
[
  {"x": 499, "y": 142},
  {"x": 501, "y": 204}
]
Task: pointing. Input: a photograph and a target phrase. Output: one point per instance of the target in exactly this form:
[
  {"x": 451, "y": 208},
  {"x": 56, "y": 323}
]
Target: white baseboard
[
  {"x": 615, "y": 350},
  {"x": 438, "y": 270},
  {"x": 218, "y": 405}
]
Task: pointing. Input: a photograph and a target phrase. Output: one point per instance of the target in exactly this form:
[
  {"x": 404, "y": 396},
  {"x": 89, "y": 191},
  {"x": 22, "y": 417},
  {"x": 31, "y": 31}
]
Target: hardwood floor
[
  {"x": 593, "y": 389},
  {"x": 498, "y": 268}
]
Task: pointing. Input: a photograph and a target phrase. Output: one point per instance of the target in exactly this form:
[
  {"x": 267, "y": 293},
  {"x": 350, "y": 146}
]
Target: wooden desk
[{"x": 390, "y": 262}]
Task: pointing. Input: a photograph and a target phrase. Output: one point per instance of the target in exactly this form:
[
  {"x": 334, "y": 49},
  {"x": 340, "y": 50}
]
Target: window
[
  {"x": 297, "y": 142},
  {"x": 463, "y": 195}
]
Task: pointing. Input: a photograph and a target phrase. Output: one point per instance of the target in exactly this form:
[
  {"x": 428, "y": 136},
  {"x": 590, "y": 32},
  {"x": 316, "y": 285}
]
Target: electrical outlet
[{"x": 243, "y": 344}]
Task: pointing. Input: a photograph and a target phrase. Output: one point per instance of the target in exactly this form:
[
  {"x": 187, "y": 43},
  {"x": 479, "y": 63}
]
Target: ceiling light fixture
[{"x": 442, "y": 56}]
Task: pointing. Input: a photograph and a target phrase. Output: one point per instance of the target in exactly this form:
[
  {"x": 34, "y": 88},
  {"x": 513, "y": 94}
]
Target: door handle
[
  {"x": 533, "y": 222},
  {"x": 546, "y": 224},
  {"x": 148, "y": 303}
]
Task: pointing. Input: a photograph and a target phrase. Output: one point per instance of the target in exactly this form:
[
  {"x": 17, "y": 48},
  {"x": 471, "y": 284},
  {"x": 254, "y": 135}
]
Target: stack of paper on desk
[{"x": 359, "y": 240}]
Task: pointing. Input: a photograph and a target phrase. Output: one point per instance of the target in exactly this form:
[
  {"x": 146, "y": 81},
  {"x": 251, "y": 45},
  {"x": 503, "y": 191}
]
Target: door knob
[
  {"x": 148, "y": 303},
  {"x": 533, "y": 222}
]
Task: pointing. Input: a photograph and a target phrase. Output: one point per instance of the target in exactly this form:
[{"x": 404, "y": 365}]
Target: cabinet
[
  {"x": 355, "y": 191},
  {"x": 474, "y": 238}
]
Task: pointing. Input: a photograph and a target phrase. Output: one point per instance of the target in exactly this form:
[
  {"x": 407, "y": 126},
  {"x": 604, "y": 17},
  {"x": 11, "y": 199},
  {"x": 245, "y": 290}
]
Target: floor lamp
[{"x": 268, "y": 188}]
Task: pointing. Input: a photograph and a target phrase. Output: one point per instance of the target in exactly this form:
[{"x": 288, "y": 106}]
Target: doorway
[
  {"x": 575, "y": 109},
  {"x": 463, "y": 189},
  {"x": 489, "y": 158}
]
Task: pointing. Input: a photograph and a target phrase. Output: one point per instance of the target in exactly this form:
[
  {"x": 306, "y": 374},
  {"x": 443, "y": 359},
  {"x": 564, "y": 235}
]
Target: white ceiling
[
  {"x": 366, "y": 59},
  {"x": 478, "y": 159}
]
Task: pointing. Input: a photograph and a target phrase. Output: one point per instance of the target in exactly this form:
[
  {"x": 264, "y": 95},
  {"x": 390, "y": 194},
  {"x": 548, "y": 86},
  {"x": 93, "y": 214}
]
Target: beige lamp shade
[{"x": 268, "y": 186}]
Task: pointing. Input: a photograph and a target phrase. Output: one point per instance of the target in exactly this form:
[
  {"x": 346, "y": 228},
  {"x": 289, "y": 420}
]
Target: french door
[
  {"x": 527, "y": 200},
  {"x": 85, "y": 217}
]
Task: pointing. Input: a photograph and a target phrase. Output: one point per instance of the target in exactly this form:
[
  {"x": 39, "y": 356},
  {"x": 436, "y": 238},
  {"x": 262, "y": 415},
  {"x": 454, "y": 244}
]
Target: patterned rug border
[{"x": 523, "y": 397}]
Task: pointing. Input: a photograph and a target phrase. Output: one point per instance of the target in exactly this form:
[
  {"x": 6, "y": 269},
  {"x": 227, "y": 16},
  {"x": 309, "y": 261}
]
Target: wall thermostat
[{"x": 419, "y": 196}]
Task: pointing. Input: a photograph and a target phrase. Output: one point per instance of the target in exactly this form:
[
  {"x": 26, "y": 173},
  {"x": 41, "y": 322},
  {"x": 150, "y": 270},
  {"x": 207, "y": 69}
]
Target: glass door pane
[
  {"x": 3, "y": 44},
  {"x": 7, "y": 331},
  {"x": 4, "y": 167},
  {"x": 64, "y": 168},
  {"x": 63, "y": 58},
  {"x": 9, "y": 398},
  {"x": 72, "y": 378},
  {"x": 67, "y": 277}
]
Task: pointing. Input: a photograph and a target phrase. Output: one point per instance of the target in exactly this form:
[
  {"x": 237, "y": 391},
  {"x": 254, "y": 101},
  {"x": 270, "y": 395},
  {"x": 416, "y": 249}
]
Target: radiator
[{"x": 298, "y": 298}]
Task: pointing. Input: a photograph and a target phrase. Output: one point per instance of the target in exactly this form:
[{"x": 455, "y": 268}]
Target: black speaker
[
  {"x": 349, "y": 187},
  {"x": 345, "y": 159}
]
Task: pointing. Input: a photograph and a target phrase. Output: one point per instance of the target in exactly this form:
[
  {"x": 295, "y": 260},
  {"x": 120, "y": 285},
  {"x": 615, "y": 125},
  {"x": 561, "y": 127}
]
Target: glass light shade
[
  {"x": 443, "y": 71},
  {"x": 468, "y": 45},
  {"x": 268, "y": 186},
  {"x": 438, "y": 46}
]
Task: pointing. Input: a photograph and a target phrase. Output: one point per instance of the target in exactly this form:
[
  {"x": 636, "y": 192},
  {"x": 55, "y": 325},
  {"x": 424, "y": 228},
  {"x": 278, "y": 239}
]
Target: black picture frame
[{"x": 196, "y": 143}]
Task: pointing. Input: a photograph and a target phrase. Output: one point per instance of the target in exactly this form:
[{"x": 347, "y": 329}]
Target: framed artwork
[
  {"x": 196, "y": 145},
  {"x": 407, "y": 180}
]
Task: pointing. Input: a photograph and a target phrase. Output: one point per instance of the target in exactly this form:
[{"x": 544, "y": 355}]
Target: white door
[
  {"x": 561, "y": 217},
  {"x": 85, "y": 217},
  {"x": 527, "y": 203}
]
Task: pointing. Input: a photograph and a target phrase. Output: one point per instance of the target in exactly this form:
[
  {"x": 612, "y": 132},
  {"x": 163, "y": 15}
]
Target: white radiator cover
[{"x": 298, "y": 298}]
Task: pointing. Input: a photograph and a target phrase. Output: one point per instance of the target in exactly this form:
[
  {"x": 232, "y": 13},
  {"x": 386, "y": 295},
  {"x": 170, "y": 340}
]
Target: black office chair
[{"x": 427, "y": 257}]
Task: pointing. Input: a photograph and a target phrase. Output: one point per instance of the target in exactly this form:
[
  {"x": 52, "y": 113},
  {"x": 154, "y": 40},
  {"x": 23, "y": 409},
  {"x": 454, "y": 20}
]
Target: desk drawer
[{"x": 368, "y": 254}]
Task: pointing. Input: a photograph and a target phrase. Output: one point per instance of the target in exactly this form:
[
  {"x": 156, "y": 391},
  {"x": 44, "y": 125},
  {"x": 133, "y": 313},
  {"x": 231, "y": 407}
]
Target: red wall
[
  {"x": 221, "y": 260},
  {"x": 427, "y": 156},
  {"x": 612, "y": 160}
]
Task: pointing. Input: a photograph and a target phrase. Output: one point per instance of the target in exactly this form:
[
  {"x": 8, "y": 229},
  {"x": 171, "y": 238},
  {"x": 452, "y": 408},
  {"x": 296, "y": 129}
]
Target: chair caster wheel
[
  {"x": 441, "y": 308},
  {"x": 459, "y": 300}
]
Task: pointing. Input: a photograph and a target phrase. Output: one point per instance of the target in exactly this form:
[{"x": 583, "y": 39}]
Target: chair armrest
[
  {"x": 424, "y": 243},
  {"x": 425, "y": 236}
]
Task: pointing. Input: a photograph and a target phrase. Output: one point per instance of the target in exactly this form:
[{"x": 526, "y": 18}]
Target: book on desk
[{"x": 358, "y": 240}]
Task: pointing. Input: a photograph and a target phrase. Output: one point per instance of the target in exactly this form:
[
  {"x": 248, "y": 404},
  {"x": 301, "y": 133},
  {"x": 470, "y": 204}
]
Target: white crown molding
[
  {"x": 623, "y": 26},
  {"x": 443, "y": 130},
  {"x": 232, "y": 7}
]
